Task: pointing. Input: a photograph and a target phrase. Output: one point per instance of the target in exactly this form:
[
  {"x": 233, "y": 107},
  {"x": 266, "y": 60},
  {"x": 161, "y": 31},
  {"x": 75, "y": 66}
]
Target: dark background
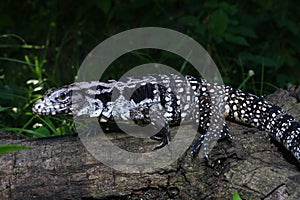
[{"x": 42, "y": 44}]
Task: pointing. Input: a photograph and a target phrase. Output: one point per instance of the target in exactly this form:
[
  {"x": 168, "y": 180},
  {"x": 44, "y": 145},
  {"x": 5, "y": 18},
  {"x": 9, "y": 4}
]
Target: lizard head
[
  {"x": 79, "y": 99},
  {"x": 54, "y": 101}
]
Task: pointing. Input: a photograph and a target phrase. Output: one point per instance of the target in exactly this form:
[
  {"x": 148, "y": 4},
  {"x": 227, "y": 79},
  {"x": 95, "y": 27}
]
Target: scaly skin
[{"x": 172, "y": 99}]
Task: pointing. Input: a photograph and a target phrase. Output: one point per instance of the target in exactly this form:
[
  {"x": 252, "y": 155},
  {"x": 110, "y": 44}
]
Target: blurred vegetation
[{"x": 42, "y": 44}]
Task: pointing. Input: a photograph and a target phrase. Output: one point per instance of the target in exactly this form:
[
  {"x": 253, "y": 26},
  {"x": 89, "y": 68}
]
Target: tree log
[{"x": 62, "y": 168}]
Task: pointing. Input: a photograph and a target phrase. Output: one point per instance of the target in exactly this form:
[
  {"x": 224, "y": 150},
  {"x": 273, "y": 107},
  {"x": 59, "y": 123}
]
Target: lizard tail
[{"x": 256, "y": 111}]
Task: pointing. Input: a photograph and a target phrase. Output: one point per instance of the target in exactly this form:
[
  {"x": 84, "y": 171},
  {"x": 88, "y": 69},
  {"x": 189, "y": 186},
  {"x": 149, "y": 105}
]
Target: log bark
[{"x": 62, "y": 168}]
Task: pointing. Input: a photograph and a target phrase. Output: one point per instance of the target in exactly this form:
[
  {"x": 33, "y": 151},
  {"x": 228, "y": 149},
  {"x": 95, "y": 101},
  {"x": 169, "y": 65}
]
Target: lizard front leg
[
  {"x": 165, "y": 134},
  {"x": 207, "y": 137},
  {"x": 153, "y": 115}
]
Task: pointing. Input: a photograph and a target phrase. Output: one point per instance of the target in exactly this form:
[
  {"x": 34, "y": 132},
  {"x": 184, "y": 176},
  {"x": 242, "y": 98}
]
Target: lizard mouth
[{"x": 38, "y": 108}]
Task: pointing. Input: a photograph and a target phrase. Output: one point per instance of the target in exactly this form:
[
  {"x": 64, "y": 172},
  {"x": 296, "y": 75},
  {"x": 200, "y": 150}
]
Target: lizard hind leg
[{"x": 207, "y": 139}]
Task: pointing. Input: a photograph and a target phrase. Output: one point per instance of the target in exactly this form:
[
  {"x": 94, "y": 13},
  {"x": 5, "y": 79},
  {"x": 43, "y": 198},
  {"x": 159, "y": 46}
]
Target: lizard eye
[{"x": 61, "y": 96}]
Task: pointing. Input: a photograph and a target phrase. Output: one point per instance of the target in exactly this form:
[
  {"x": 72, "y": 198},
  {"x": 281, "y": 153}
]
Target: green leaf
[
  {"x": 236, "y": 39},
  {"x": 104, "y": 5},
  {"x": 258, "y": 59},
  {"x": 3, "y": 108},
  {"x": 211, "y": 4},
  {"x": 236, "y": 196},
  {"x": 218, "y": 22},
  {"x": 289, "y": 25},
  {"x": 189, "y": 21},
  {"x": 18, "y": 130},
  {"x": 243, "y": 31},
  {"x": 41, "y": 132},
  {"x": 11, "y": 147},
  {"x": 230, "y": 9}
]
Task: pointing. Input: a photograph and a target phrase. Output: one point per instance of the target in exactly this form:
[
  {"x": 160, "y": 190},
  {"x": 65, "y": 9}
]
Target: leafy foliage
[
  {"x": 11, "y": 147},
  {"x": 236, "y": 196},
  {"x": 43, "y": 43}
]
